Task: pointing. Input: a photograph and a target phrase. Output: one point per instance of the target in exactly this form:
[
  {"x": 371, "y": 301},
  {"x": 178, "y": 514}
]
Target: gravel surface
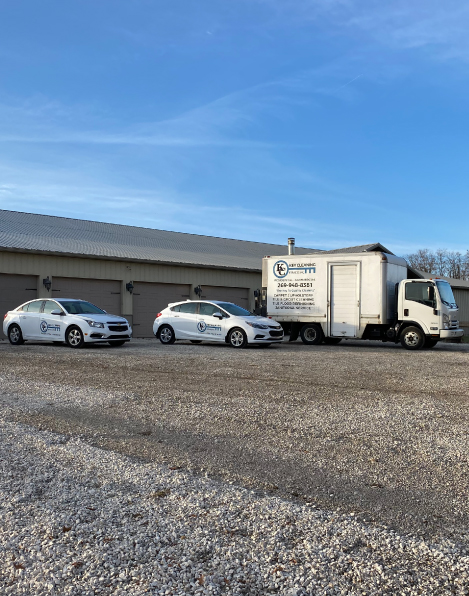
[
  {"x": 83, "y": 521},
  {"x": 330, "y": 443}
]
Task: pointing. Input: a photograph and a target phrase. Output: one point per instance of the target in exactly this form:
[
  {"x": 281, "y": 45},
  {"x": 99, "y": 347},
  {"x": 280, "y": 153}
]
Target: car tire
[
  {"x": 116, "y": 344},
  {"x": 237, "y": 338},
  {"x": 412, "y": 338},
  {"x": 74, "y": 337},
  {"x": 196, "y": 341},
  {"x": 332, "y": 341},
  {"x": 166, "y": 335},
  {"x": 15, "y": 335},
  {"x": 311, "y": 334}
]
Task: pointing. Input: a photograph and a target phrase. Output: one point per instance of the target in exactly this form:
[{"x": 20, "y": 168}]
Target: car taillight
[
  {"x": 5, "y": 316},
  {"x": 158, "y": 315}
]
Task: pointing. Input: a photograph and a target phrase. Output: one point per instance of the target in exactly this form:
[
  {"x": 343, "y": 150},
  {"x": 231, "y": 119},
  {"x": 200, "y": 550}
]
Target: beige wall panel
[
  {"x": 63, "y": 266},
  {"x": 106, "y": 294},
  {"x": 239, "y": 296},
  {"x": 149, "y": 299},
  {"x": 14, "y": 290},
  {"x": 462, "y": 300}
]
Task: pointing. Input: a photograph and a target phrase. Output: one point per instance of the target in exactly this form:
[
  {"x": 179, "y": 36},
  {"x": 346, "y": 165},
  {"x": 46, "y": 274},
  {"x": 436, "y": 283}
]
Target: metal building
[{"x": 129, "y": 271}]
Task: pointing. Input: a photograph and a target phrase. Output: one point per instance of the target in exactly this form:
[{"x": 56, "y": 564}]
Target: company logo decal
[
  {"x": 202, "y": 327},
  {"x": 45, "y": 327},
  {"x": 282, "y": 269}
]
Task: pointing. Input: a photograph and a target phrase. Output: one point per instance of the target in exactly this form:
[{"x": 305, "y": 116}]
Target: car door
[
  {"x": 51, "y": 326},
  {"x": 30, "y": 320},
  {"x": 185, "y": 324},
  {"x": 210, "y": 327}
]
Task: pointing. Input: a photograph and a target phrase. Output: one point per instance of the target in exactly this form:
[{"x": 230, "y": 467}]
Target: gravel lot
[{"x": 342, "y": 450}]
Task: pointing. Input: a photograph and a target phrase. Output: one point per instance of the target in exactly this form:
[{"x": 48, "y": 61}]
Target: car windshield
[
  {"x": 235, "y": 310},
  {"x": 446, "y": 293},
  {"x": 79, "y": 307}
]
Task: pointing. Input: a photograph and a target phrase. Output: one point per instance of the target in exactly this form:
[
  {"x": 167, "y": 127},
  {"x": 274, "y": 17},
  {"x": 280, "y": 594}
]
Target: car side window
[
  {"x": 189, "y": 308},
  {"x": 176, "y": 308},
  {"x": 35, "y": 306},
  {"x": 49, "y": 306},
  {"x": 208, "y": 309}
]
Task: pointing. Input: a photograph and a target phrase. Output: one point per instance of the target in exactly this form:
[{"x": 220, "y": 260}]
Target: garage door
[
  {"x": 239, "y": 296},
  {"x": 16, "y": 289},
  {"x": 105, "y": 293},
  {"x": 149, "y": 299}
]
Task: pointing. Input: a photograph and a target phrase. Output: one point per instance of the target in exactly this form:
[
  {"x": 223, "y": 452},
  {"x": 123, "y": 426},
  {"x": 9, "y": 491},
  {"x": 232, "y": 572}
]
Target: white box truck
[{"x": 366, "y": 295}]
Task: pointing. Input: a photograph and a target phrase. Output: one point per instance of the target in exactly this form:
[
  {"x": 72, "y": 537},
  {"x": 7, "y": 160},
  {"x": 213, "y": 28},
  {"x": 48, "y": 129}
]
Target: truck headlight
[
  {"x": 445, "y": 321},
  {"x": 95, "y": 324},
  {"x": 257, "y": 325}
]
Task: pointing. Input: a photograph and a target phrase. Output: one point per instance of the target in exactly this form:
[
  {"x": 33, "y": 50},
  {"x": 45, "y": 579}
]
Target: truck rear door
[{"x": 344, "y": 300}]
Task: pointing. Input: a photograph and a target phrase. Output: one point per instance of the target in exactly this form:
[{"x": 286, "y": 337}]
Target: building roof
[
  {"x": 376, "y": 247},
  {"x": 454, "y": 283},
  {"x": 24, "y": 232}
]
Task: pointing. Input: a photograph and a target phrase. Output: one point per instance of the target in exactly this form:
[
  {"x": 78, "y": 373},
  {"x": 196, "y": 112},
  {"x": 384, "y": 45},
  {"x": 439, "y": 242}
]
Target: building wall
[
  {"x": 51, "y": 266},
  {"x": 462, "y": 300}
]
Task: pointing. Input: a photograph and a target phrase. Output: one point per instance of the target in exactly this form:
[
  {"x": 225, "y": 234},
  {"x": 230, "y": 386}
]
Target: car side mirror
[
  {"x": 218, "y": 315},
  {"x": 57, "y": 312}
]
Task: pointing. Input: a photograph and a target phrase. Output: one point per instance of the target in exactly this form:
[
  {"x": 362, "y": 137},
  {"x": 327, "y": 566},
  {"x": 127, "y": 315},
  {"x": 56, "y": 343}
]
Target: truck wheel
[
  {"x": 412, "y": 338},
  {"x": 332, "y": 341},
  {"x": 311, "y": 334}
]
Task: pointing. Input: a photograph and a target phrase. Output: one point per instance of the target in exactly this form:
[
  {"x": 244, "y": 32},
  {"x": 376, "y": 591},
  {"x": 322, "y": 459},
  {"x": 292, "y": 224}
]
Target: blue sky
[{"x": 338, "y": 122}]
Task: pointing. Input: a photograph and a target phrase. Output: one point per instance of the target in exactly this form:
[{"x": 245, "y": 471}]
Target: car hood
[
  {"x": 105, "y": 318},
  {"x": 261, "y": 320}
]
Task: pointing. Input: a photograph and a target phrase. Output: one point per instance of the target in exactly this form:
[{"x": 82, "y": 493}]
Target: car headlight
[
  {"x": 94, "y": 323},
  {"x": 257, "y": 325}
]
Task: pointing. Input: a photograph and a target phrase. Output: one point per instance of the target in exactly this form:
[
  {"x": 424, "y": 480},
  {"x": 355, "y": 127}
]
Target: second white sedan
[
  {"x": 214, "y": 320},
  {"x": 75, "y": 322}
]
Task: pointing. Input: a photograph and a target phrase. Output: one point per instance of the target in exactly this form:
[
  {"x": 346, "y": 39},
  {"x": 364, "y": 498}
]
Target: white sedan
[
  {"x": 214, "y": 320},
  {"x": 74, "y": 322}
]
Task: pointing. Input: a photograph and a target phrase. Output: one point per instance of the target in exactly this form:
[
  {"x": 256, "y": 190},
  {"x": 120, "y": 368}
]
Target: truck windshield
[{"x": 446, "y": 293}]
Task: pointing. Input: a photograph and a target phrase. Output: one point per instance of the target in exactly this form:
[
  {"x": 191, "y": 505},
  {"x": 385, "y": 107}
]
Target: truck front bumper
[{"x": 451, "y": 333}]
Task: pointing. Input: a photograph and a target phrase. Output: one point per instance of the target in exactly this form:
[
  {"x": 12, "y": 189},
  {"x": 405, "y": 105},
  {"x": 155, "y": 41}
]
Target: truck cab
[{"x": 430, "y": 306}]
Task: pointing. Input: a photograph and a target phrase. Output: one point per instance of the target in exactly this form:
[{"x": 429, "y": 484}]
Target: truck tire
[
  {"x": 311, "y": 334},
  {"x": 412, "y": 338},
  {"x": 332, "y": 341}
]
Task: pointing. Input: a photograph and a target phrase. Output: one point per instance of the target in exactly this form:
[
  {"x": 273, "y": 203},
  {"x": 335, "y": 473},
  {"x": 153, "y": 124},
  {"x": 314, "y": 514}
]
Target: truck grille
[
  {"x": 453, "y": 324},
  {"x": 118, "y": 328}
]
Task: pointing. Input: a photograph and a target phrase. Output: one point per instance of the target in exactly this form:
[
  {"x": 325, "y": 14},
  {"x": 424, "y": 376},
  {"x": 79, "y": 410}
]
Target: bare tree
[{"x": 424, "y": 260}]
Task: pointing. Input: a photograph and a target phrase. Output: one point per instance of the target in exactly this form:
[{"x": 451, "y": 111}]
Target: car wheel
[
  {"x": 74, "y": 337},
  {"x": 196, "y": 341},
  {"x": 15, "y": 336},
  {"x": 166, "y": 335},
  {"x": 412, "y": 338},
  {"x": 332, "y": 341},
  {"x": 237, "y": 338},
  {"x": 311, "y": 334},
  {"x": 116, "y": 343}
]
